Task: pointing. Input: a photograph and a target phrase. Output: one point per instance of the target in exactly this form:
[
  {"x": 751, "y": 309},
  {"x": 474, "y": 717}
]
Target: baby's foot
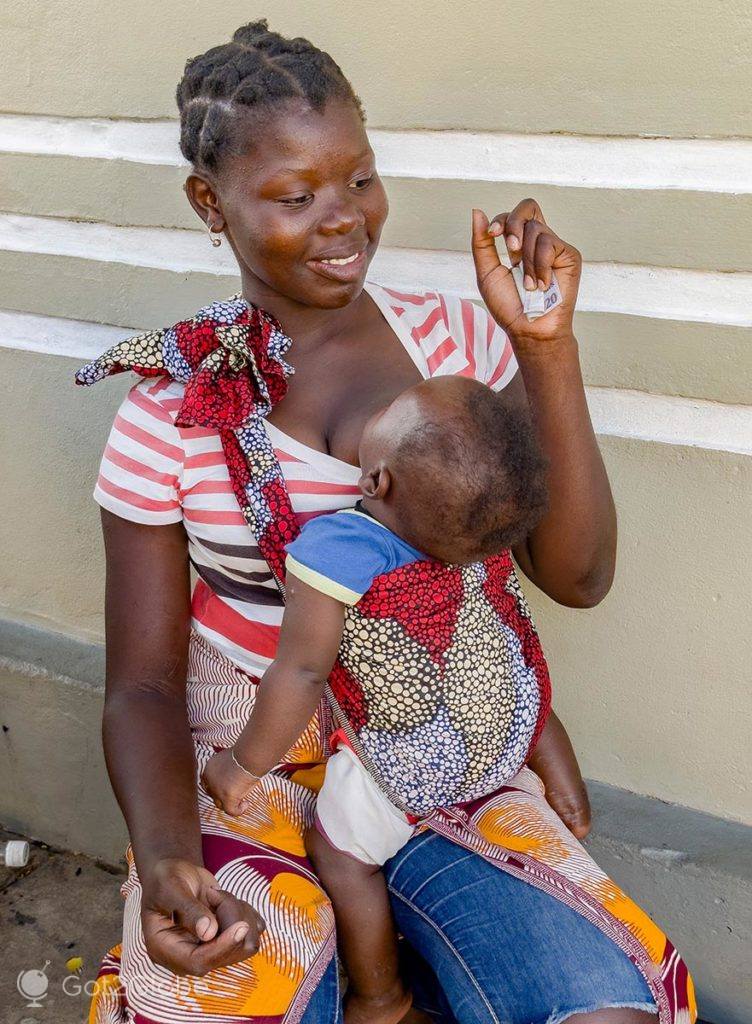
[{"x": 388, "y": 1008}]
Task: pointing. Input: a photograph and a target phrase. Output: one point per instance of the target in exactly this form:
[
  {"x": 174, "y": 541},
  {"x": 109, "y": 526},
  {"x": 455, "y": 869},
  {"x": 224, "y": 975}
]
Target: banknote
[{"x": 537, "y": 303}]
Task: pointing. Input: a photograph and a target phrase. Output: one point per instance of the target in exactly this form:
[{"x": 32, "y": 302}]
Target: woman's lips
[{"x": 340, "y": 271}]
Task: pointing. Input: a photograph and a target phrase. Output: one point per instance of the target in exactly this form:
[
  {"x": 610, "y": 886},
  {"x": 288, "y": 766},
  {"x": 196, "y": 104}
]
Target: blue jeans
[{"x": 505, "y": 952}]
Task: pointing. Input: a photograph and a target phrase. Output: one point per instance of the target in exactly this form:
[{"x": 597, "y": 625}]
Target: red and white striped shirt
[{"x": 156, "y": 473}]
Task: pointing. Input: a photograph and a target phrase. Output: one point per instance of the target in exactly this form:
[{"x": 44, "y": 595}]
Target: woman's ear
[
  {"x": 204, "y": 200},
  {"x": 376, "y": 483}
]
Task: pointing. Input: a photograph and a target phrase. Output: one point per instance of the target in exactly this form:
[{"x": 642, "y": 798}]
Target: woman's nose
[{"x": 342, "y": 216}]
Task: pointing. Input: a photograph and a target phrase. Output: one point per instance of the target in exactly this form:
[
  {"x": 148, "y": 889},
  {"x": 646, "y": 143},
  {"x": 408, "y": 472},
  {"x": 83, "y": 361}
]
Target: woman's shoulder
[
  {"x": 155, "y": 401},
  {"x": 147, "y": 416},
  {"x": 140, "y": 476},
  {"x": 423, "y": 311},
  {"x": 454, "y": 334}
]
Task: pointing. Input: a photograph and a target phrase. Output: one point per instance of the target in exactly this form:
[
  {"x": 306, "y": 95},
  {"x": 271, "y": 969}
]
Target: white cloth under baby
[{"x": 355, "y": 816}]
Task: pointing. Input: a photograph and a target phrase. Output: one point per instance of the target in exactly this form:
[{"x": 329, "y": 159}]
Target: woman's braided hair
[{"x": 257, "y": 68}]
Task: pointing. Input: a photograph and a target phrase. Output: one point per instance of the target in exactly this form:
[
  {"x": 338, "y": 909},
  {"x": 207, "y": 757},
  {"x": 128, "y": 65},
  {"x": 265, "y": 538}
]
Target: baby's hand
[{"x": 226, "y": 783}]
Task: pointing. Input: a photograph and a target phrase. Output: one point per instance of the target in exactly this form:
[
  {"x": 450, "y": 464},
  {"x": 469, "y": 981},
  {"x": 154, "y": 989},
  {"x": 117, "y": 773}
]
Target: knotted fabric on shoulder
[{"x": 231, "y": 358}]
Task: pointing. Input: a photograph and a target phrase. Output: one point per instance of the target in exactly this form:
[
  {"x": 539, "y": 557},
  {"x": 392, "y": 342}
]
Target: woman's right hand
[{"x": 190, "y": 925}]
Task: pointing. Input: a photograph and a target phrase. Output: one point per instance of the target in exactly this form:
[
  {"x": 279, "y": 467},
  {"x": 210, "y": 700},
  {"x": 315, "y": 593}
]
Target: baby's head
[{"x": 452, "y": 471}]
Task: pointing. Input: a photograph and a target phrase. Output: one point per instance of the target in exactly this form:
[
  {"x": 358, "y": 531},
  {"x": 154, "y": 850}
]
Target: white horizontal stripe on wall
[
  {"x": 657, "y": 292},
  {"x": 616, "y": 413},
  {"x": 666, "y": 419},
  {"x": 704, "y": 165},
  {"x": 697, "y": 165},
  {"x": 143, "y": 142},
  {"x": 53, "y": 335}
]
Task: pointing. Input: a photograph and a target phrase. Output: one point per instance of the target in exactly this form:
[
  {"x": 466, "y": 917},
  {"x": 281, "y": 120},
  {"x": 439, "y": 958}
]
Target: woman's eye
[
  {"x": 294, "y": 200},
  {"x": 361, "y": 183}
]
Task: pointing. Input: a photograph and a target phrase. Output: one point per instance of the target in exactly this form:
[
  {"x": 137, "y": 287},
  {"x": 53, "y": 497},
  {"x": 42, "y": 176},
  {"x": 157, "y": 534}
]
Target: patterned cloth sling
[
  {"x": 441, "y": 686},
  {"x": 231, "y": 358}
]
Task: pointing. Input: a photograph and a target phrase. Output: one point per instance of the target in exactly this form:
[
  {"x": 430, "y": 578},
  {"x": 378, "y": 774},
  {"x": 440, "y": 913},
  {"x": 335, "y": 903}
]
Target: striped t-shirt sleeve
[
  {"x": 486, "y": 350},
  {"x": 495, "y": 358},
  {"x": 141, "y": 469}
]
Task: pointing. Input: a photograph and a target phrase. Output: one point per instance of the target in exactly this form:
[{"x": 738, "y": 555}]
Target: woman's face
[{"x": 301, "y": 199}]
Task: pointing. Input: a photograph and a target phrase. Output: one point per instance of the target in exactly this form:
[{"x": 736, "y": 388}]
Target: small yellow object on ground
[{"x": 74, "y": 964}]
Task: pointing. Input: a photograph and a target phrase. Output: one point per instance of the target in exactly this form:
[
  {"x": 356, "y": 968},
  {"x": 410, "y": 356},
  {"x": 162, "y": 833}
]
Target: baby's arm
[
  {"x": 554, "y": 760},
  {"x": 287, "y": 697}
]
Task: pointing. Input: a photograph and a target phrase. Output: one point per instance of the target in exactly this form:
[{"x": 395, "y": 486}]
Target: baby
[{"x": 408, "y": 607}]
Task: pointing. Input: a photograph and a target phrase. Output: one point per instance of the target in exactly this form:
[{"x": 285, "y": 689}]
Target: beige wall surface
[
  {"x": 674, "y": 68},
  {"x": 553, "y": 100}
]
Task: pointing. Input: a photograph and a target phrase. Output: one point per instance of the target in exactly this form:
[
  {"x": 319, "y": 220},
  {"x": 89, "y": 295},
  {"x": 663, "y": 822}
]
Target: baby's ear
[{"x": 376, "y": 483}]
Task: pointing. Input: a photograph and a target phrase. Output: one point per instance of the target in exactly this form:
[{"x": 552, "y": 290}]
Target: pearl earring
[{"x": 215, "y": 240}]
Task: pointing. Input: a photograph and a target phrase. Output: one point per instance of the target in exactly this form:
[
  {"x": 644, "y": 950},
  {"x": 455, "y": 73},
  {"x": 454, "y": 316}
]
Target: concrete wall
[{"x": 552, "y": 100}]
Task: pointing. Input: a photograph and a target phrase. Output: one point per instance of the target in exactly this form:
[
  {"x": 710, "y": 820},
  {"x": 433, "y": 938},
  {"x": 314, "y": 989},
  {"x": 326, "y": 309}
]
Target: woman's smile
[{"x": 341, "y": 268}]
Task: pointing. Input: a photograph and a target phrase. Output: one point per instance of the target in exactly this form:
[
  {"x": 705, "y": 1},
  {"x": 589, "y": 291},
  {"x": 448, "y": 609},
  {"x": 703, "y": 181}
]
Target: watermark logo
[{"x": 33, "y": 986}]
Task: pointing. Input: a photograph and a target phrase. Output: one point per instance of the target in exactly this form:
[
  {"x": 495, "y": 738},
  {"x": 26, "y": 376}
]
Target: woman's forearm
[
  {"x": 147, "y": 739},
  {"x": 553, "y": 758},
  {"x": 151, "y": 764},
  {"x": 571, "y": 553}
]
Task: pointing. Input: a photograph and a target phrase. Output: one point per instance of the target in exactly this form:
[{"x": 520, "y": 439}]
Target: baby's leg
[{"x": 366, "y": 936}]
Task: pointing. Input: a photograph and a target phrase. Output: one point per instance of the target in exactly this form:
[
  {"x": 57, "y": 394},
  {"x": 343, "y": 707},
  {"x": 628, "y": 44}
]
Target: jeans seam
[
  {"x": 337, "y": 994},
  {"x": 337, "y": 1001},
  {"x": 437, "y": 874},
  {"x": 452, "y": 947}
]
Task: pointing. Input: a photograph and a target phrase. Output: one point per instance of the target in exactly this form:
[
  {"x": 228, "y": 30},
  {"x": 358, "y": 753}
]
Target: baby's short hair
[{"x": 470, "y": 477}]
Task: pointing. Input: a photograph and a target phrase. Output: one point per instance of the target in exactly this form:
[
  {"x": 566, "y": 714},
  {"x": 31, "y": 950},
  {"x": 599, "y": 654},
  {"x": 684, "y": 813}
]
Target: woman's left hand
[{"x": 529, "y": 240}]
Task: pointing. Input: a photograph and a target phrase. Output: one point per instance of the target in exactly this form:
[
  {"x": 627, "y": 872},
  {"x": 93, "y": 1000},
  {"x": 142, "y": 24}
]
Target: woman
[{"x": 503, "y": 906}]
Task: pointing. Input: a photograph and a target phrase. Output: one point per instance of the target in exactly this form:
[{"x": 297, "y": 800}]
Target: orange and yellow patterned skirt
[{"x": 260, "y": 858}]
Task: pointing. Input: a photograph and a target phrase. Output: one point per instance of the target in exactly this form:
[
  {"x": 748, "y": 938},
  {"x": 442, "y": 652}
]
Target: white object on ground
[{"x": 14, "y": 853}]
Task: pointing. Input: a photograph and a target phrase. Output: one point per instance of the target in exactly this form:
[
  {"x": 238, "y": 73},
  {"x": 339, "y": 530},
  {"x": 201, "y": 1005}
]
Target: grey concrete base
[
  {"x": 692, "y": 872},
  {"x": 55, "y": 783}
]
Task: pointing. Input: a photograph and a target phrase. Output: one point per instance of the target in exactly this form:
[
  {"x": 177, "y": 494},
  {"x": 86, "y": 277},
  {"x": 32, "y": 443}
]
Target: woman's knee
[{"x": 464, "y": 916}]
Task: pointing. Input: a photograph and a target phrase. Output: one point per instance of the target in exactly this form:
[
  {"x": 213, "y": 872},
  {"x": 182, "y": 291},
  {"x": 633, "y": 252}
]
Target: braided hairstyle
[{"x": 258, "y": 68}]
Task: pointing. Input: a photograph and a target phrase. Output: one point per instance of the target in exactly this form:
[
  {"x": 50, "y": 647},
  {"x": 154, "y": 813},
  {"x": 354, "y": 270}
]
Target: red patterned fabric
[
  {"x": 441, "y": 685},
  {"x": 230, "y": 357}
]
